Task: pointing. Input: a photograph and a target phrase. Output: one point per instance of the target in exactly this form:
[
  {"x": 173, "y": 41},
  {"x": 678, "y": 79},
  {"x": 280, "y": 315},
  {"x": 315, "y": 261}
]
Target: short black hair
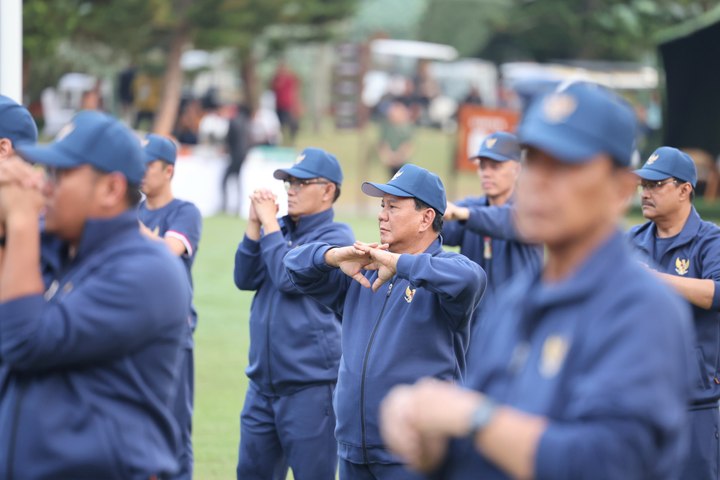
[
  {"x": 133, "y": 195},
  {"x": 438, "y": 221},
  {"x": 337, "y": 191},
  {"x": 680, "y": 181}
]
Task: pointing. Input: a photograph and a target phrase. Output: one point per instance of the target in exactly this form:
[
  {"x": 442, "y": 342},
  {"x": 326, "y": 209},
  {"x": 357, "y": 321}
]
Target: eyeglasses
[
  {"x": 299, "y": 184},
  {"x": 648, "y": 185}
]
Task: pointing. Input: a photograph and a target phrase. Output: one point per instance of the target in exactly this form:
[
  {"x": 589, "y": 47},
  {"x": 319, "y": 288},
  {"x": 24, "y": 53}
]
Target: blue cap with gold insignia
[
  {"x": 666, "y": 162},
  {"x": 411, "y": 181},
  {"x": 499, "y": 146},
  {"x": 313, "y": 163},
  {"x": 92, "y": 138},
  {"x": 579, "y": 122}
]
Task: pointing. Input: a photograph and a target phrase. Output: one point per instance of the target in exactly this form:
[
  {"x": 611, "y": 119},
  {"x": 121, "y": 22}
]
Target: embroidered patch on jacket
[
  {"x": 682, "y": 266},
  {"x": 409, "y": 294},
  {"x": 554, "y": 351}
]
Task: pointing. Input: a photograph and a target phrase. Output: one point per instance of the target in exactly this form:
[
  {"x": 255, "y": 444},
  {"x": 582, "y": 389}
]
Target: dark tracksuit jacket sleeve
[
  {"x": 710, "y": 258},
  {"x": 275, "y": 248},
  {"x": 249, "y": 271},
  {"x": 311, "y": 275},
  {"x": 458, "y": 281},
  {"x": 104, "y": 320},
  {"x": 496, "y": 222}
]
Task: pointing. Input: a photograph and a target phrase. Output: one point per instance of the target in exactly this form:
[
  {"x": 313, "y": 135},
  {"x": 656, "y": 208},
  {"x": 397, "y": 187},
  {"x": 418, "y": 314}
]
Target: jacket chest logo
[
  {"x": 682, "y": 266},
  {"x": 553, "y": 355},
  {"x": 409, "y": 294}
]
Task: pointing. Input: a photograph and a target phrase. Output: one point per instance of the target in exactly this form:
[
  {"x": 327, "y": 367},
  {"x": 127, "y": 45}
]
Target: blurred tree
[
  {"x": 135, "y": 27},
  {"x": 502, "y": 30}
]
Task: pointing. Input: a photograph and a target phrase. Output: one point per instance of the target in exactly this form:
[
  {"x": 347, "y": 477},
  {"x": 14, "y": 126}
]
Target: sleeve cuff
[
  {"x": 404, "y": 266},
  {"x": 716, "y": 297},
  {"x": 319, "y": 259},
  {"x": 17, "y": 317},
  {"x": 548, "y": 456},
  {"x": 271, "y": 239},
  {"x": 250, "y": 245}
]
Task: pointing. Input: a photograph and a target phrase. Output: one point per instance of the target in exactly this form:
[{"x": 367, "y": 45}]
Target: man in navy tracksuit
[
  {"x": 406, "y": 315},
  {"x": 178, "y": 224},
  {"x": 583, "y": 371},
  {"x": 684, "y": 250},
  {"x": 92, "y": 363},
  {"x": 484, "y": 227},
  {"x": 288, "y": 417}
]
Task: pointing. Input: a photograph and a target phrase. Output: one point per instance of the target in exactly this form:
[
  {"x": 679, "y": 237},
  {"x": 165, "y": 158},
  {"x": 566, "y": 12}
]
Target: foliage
[{"x": 549, "y": 29}]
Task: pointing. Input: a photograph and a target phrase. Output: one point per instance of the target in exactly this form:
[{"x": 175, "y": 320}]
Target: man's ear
[
  {"x": 428, "y": 217},
  {"x": 6, "y": 148}
]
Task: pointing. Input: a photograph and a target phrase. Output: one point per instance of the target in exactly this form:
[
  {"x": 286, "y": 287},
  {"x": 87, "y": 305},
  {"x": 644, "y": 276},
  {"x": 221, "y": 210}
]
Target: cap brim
[
  {"x": 492, "y": 156},
  {"x": 566, "y": 146},
  {"x": 48, "y": 155},
  {"x": 285, "y": 173},
  {"x": 379, "y": 189},
  {"x": 649, "y": 174}
]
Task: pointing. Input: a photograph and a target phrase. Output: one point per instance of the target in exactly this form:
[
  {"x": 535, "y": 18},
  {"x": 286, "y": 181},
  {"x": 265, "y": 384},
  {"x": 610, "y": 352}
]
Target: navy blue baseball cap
[
  {"x": 580, "y": 121},
  {"x": 411, "y": 181},
  {"x": 16, "y": 123},
  {"x": 499, "y": 146},
  {"x": 313, "y": 163},
  {"x": 92, "y": 138},
  {"x": 157, "y": 147},
  {"x": 668, "y": 162}
]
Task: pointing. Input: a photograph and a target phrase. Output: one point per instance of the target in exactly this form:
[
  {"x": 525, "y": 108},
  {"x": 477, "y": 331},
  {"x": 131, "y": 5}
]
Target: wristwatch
[{"x": 481, "y": 416}]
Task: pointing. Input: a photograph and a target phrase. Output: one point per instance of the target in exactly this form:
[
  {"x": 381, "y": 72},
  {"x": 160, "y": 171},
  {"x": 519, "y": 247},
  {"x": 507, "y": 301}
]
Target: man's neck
[
  {"x": 417, "y": 247},
  {"x": 673, "y": 223},
  {"x": 563, "y": 259},
  {"x": 499, "y": 200},
  {"x": 159, "y": 200}
]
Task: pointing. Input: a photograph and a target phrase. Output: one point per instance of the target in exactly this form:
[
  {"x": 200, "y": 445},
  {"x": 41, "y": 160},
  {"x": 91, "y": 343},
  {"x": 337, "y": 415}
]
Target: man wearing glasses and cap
[
  {"x": 484, "y": 227},
  {"x": 405, "y": 307},
  {"x": 288, "y": 418},
  {"x": 684, "y": 251},
  {"x": 583, "y": 371},
  {"x": 93, "y": 359}
]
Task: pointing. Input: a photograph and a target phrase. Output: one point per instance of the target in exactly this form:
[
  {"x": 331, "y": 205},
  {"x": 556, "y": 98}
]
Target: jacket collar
[
  {"x": 648, "y": 232},
  {"x": 99, "y": 232},
  {"x": 307, "y": 223}
]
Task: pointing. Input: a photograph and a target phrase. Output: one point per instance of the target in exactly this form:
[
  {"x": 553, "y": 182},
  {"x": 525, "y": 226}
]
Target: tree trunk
[
  {"x": 251, "y": 96},
  {"x": 172, "y": 84}
]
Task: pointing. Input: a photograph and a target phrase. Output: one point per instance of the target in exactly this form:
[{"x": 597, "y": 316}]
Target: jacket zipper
[
  {"x": 14, "y": 431},
  {"x": 364, "y": 372}
]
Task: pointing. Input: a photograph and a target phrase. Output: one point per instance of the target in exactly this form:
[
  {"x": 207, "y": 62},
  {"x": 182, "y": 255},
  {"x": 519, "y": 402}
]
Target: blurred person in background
[
  {"x": 396, "y": 138},
  {"x": 286, "y": 87}
]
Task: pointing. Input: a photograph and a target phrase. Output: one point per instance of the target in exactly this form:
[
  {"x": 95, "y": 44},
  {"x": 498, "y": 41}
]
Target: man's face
[
  {"x": 71, "y": 195},
  {"x": 660, "y": 198},
  {"x": 559, "y": 203},
  {"x": 400, "y": 222},
  {"x": 307, "y": 196},
  {"x": 158, "y": 174},
  {"x": 497, "y": 178}
]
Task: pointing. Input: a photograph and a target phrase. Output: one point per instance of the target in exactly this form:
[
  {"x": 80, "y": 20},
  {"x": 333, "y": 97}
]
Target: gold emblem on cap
[
  {"x": 144, "y": 142},
  {"x": 396, "y": 175},
  {"x": 65, "y": 131},
  {"x": 300, "y": 158},
  {"x": 652, "y": 159},
  {"x": 557, "y": 108},
  {"x": 682, "y": 266},
  {"x": 554, "y": 351},
  {"x": 490, "y": 142}
]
